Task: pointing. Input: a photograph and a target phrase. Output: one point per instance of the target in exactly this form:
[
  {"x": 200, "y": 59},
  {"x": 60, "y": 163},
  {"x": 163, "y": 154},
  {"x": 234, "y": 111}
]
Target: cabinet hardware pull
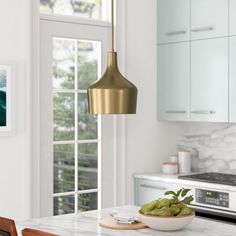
[
  {"x": 204, "y": 112},
  {"x": 197, "y": 30},
  {"x": 151, "y": 186},
  {"x": 173, "y": 33},
  {"x": 176, "y": 112}
]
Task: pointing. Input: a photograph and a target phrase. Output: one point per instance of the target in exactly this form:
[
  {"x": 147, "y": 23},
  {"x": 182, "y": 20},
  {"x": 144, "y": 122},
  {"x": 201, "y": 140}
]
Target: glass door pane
[
  {"x": 76, "y": 64},
  {"x": 87, "y": 201},
  {"x": 95, "y": 9},
  {"x": 63, "y": 205},
  {"x": 64, "y": 168},
  {"x": 87, "y": 166}
]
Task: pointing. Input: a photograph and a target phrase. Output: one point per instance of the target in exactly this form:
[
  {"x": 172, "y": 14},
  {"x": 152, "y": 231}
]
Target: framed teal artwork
[{"x": 5, "y": 97}]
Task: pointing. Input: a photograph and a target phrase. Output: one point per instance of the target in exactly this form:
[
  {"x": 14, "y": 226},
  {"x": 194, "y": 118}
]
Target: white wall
[
  {"x": 15, "y": 149},
  {"x": 149, "y": 142}
]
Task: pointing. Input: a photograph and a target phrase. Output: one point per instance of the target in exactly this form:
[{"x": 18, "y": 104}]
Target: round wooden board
[{"x": 110, "y": 223}]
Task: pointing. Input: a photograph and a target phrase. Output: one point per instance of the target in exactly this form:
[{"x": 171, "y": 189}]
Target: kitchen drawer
[{"x": 148, "y": 190}]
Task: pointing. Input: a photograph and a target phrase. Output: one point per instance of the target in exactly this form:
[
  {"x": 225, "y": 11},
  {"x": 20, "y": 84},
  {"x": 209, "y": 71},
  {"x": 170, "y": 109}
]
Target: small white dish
[
  {"x": 170, "y": 168},
  {"x": 166, "y": 223}
]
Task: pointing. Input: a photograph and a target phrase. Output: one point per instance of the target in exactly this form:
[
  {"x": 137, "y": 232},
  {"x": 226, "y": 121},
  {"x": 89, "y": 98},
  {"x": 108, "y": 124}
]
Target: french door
[{"x": 76, "y": 149}]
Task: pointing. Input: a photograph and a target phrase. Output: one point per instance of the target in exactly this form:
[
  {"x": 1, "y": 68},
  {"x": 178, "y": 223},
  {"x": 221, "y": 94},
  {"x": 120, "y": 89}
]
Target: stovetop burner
[{"x": 217, "y": 178}]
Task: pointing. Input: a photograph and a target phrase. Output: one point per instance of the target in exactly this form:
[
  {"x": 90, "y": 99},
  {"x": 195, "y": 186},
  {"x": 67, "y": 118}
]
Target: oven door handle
[{"x": 211, "y": 209}]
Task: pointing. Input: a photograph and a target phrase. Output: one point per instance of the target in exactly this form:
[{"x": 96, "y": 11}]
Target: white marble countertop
[
  {"x": 87, "y": 224},
  {"x": 174, "y": 179}
]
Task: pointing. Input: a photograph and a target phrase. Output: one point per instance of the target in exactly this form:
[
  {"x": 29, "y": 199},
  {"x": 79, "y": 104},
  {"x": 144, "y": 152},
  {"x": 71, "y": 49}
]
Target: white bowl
[{"x": 166, "y": 223}]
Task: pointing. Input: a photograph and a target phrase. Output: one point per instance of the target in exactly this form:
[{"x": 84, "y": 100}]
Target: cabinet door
[
  {"x": 232, "y": 17},
  {"x": 173, "y": 71},
  {"x": 209, "y": 80},
  {"x": 232, "y": 76},
  {"x": 173, "y": 20},
  {"x": 209, "y": 18}
]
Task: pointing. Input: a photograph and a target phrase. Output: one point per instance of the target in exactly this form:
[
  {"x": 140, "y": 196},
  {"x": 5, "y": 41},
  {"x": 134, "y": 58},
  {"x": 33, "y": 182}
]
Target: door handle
[
  {"x": 153, "y": 187},
  {"x": 176, "y": 112},
  {"x": 203, "y": 29},
  {"x": 173, "y": 33},
  {"x": 203, "y": 112}
]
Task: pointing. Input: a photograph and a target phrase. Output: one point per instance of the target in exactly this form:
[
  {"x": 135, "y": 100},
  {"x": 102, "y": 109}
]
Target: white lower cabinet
[
  {"x": 232, "y": 80},
  {"x": 173, "y": 70},
  {"x": 149, "y": 190},
  {"x": 209, "y": 80}
]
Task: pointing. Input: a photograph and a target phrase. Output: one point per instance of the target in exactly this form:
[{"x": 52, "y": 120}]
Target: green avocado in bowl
[
  {"x": 175, "y": 206},
  {"x": 169, "y": 214}
]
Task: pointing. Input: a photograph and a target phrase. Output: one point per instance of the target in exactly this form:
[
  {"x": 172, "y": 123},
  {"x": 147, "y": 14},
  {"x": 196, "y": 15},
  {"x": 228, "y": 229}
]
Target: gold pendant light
[{"x": 112, "y": 94}]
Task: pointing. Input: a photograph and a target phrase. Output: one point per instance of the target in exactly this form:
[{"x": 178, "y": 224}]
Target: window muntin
[
  {"x": 76, "y": 63},
  {"x": 92, "y": 9}
]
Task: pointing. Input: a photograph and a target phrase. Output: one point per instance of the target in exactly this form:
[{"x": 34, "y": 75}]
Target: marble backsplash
[{"x": 213, "y": 146}]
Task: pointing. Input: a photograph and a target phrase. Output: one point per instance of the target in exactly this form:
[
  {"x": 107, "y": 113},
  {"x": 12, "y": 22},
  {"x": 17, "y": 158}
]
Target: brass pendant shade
[{"x": 112, "y": 94}]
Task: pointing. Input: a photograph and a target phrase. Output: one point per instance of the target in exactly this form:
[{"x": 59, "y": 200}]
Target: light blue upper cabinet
[
  {"x": 232, "y": 76},
  {"x": 173, "y": 69},
  {"x": 173, "y": 20},
  {"x": 209, "y": 80},
  {"x": 209, "y": 18},
  {"x": 196, "y": 60},
  {"x": 232, "y": 17}
]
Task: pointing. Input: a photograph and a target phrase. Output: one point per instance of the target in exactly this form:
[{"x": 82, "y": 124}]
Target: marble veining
[
  {"x": 87, "y": 224},
  {"x": 213, "y": 146}
]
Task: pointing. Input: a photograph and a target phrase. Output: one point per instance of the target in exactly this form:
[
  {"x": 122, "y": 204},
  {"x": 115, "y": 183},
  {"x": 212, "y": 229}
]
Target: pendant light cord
[{"x": 112, "y": 24}]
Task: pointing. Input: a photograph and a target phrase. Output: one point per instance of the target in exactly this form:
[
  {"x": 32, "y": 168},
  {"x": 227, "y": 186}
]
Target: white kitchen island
[{"x": 87, "y": 224}]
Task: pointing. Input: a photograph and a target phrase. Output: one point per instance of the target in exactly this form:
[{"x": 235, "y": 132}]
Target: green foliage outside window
[{"x": 88, "y": 8}]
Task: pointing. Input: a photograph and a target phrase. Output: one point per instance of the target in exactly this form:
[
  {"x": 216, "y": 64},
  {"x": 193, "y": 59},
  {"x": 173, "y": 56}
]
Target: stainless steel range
[
  {"x": 217, "y": 178},
  {"x": 214, "y": 193}
]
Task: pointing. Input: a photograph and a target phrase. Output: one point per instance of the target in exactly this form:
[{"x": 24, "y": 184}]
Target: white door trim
[
  {"x": 119, "y": 122},
  {"x": 35, "y": 132}
]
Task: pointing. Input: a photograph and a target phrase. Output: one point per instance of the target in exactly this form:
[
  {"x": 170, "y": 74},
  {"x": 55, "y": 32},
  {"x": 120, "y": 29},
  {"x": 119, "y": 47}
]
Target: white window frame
[{"x": 76, "y": 141}]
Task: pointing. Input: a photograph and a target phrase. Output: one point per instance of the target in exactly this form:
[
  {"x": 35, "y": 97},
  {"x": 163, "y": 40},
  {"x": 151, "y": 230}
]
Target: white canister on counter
[
  {"x": 174, "y": 158},
  {"x": 184, "y": 162},
  {"x": 170, "y": 168}
]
